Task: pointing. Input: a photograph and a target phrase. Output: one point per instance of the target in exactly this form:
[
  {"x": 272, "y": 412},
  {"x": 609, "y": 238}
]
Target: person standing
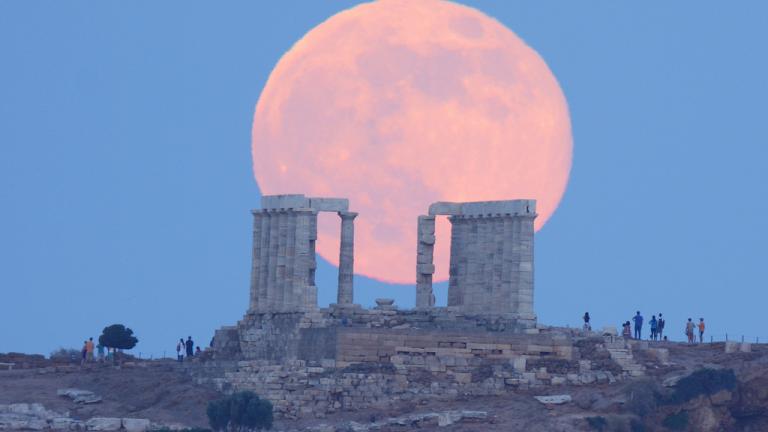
[
  {"x": 638, "y": 319},
  {"x": 701, "y": 330},
  {"x": 654, "y": 327},
  {"x": 190, "y": 347},
  {"x": 83, "y": 353},
  {"x": 100, "y": 352},
  {"x": 587, "y": 326},
  {"x": 689, "y": 330},
  {"x": 89, "y": 350},
  {"x": 181, "y": 347},
  {"x": 626, "y": 330},
  {"x": 660, "y": 327}
]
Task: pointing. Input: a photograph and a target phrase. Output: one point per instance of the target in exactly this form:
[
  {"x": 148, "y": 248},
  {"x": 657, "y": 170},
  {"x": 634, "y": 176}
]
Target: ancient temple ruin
[
  {"x": 491, "y": 263},
  {"x": 283, "y": 259}
]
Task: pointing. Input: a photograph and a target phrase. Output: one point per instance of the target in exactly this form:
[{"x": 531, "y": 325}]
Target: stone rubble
[
  {"x": 34, "y": 417},
  {"x": 79, "y": 396}
]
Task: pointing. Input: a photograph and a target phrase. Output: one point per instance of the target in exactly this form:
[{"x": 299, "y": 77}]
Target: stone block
[
  {"x": 103, "y": 424},
  {"x": 445, "y": 208},
  {"x": 731, "y": 347},
  {"x": 553, "y": 399},
  {"x": 136, "y": 425},
  {"x": 275, "y": 202},
  {"x": 329, "y": 204},
  {"x": 745, "y": 347},
  {"x": 425, "y": 268},
  {"x": 518, "y": 364}
]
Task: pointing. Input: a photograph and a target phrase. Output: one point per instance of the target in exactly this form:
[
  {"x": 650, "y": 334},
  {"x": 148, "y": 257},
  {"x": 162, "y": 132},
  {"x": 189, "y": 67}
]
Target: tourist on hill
[
  {"x": 701, "y": 330},
  {"x": 197, "y": 351},
  {"x": 100, "y": 352},
  {"x": 654, "y": 327},
  {"x": 660, "y": 327},
  {"x": 89, "y": 346},
  {"x": 638, "y": 319},
  {"x": 180, "y": 348},
  {"x": 587, "y": 326},
  {"x": 190, "y": 347},
  {"x": 626, "y": 330},
  {"x": 689, "y": 330},
  {"x": 83, "y": 353}
]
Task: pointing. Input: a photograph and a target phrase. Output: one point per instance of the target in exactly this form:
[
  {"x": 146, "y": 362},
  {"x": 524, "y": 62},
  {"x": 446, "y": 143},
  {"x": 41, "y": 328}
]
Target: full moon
[{"x": 397, "y": 104}]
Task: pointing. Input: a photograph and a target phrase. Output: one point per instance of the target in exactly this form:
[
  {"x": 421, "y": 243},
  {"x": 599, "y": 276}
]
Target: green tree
[
  {"x": 242, "y": 411},
  {"x": 118, "y": 337}
]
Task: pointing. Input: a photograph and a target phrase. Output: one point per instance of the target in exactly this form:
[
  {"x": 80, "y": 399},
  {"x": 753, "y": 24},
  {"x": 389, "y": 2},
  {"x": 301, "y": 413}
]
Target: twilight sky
[{"x": 126, "y": 176}]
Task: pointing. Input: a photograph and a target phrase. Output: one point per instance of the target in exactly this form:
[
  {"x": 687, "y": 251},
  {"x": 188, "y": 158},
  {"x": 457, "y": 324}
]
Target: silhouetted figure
[
  {"x": 660, "y": 327},
  {"x": 654, "y": 327},
  {"x": 689, "y": 326},
  {"x": 638, "y": 319},
  {"x": 626, "y": 330},
  {"x": 181, "y": 347},
  {"x": 190, "y": 347},
  {"x": 701, "y": 330},
  {"x": 587, "y": 326}
]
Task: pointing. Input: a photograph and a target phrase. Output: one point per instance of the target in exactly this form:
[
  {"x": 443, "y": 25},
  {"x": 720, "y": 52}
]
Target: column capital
[{"x": 347, "y": 215}]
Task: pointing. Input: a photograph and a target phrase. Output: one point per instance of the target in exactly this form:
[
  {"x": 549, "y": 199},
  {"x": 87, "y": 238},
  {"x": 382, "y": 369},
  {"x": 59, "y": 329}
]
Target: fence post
[
  {"x": 726, "y": 337},
  {"x": 711, "y": 339},
  {"x": 742, "y": 338}
]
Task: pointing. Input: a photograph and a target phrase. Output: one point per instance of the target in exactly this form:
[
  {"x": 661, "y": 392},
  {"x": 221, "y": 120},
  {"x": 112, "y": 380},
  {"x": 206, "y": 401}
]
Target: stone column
[
  {"x": 425, "y": 266},
  {"x": 346, "y": 258},
  {"x": 256, "y": 260}
]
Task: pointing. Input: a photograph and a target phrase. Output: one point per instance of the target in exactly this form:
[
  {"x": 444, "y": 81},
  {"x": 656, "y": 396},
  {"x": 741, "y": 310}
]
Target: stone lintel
[
  {"x": 329, "y": 204},
  {"x": 299, "y": 201},
  {"x": 484, "y": 208},
  {"x": 292, "y": 201}
]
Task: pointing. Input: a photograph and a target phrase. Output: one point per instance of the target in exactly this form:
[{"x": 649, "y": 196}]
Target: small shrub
[
  {"x": 63, "y": 355},
  {"x": 642, "y": 396},
  {"x": 242, "y": 411},
  {"x": 597, "y": 423},
  {"x": 702, "y": 382},
  {"x": 677, "y": 421}
]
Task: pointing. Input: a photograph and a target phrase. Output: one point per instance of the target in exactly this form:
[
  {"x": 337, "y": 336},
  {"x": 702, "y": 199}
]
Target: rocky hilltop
[{"x": 611, "y": 386}]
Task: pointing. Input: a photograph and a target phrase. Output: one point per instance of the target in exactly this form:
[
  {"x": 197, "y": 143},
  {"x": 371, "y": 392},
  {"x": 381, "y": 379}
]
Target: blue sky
[{"x": 126, "y": 181}]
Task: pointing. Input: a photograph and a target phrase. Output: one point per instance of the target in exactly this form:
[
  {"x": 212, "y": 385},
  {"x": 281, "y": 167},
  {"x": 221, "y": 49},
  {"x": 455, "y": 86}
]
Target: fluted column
[{"x": 346, "y": 258}]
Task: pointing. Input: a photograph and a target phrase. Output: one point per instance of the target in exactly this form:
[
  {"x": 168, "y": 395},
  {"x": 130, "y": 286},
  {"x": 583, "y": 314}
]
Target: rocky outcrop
[{"x": 34, "y": 417}]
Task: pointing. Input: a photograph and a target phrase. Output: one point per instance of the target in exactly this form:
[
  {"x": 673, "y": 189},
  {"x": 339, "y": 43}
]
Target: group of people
[
  {"x": 186, "y": 348},
  {"x": 690, "y": 330},
  {"x": 87, "y": 352},
  {"x": 656, "y": 326}
]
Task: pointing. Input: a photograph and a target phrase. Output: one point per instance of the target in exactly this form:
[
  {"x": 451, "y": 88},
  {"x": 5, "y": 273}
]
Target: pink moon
[{"x": 397, "y": 104}]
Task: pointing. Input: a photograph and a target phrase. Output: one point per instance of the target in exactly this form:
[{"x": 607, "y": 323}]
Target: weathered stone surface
[
  {"x": 103, "y": 424},
  {"x": 276, "y": 202},
  {"x": 329, "y": 204},
  {"x": 135, "y": 425},
  {"x": 553, "y": 399}
]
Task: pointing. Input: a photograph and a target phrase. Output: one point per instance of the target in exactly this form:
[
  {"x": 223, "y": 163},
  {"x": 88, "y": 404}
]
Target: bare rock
[
  {"x": 554, "y": 399},
  {"x": 103, "y": 424}
]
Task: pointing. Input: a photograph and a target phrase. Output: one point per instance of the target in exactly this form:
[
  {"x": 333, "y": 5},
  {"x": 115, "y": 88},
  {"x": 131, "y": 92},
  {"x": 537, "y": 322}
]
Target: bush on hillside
[
  {"x": 702, "y": 382},
  {"x": 66, "y": 355},
  {"x": 242, "y": 411},
  {"x": 642, "y": 396}
]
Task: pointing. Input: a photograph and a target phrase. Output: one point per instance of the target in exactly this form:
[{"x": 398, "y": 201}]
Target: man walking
[
  {"x": 701, "y": 330},
  {"x": 190, "y": 347},
  {"x": 638, "y": 319}
]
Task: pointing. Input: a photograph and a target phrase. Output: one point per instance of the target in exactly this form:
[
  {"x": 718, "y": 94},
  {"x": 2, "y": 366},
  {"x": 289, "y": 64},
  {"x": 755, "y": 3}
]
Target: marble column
[
  {"x": 346, "y": 258},
  {"x": 424, "y": 261}
]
